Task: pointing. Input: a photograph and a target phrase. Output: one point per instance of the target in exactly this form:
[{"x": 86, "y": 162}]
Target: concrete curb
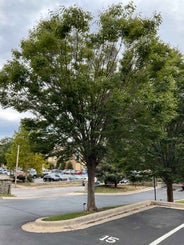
[{"x": 40, "y": 226}]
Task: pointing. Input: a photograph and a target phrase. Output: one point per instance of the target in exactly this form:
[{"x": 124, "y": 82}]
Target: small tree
[
  {"x": 20, "y": 139},
  {"x": 69, "y": 165},
  {"x": 109, "y": 174},
  {"x": 27, "y": 159},
  {"x": 62, "y": 165},
  {"x": 37, "y": 162}
]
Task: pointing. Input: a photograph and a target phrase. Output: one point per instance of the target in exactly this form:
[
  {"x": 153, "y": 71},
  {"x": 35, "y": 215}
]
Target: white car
[{"x": 51, "y": 177}]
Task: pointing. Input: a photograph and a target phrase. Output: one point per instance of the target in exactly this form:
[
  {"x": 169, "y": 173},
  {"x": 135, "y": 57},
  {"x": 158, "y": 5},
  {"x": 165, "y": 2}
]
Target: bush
[
  {"x": 29, "y": 178},
  {"x": 113, "y": 178}
]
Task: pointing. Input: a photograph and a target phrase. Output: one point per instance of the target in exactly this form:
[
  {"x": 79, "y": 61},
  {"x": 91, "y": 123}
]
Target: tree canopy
[{"x": 152, "y": 138}]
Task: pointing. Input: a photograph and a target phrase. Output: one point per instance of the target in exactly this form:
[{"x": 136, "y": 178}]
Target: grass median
[
  {"x": 75, "y": 214},
  {"x": 180, "y": 201},
  {"x": 119, "y": 189}
]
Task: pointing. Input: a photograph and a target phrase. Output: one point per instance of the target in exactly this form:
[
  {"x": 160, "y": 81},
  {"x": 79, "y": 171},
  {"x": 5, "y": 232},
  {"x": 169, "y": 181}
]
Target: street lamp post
[
  {"x": 154, "y": 186},
  {"x": 17, "y": 163}
]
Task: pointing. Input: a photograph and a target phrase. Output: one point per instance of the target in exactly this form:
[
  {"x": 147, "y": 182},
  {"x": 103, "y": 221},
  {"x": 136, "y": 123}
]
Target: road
[{"x": 16, "y": 212}]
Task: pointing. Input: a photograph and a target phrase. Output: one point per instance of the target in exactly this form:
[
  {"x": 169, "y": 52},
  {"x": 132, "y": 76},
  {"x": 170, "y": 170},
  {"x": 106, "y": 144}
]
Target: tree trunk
[
  {"x": 91, "y": 206},
  {"x": 169, "y": 192}
]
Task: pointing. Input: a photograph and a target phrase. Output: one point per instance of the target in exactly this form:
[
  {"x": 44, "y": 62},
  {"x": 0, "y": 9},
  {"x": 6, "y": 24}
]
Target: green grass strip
[
  {"x": 180, "y": 201},
  {"x": 75, "y": 214}
]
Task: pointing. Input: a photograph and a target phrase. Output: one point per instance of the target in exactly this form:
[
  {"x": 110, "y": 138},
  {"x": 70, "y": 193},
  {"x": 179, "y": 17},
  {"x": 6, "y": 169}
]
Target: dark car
[{"x": 51, "y": 177}]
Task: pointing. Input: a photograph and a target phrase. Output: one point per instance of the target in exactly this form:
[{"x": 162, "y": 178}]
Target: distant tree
[
  {"x": 37, "y": 162},
  {"x": 27, "y": 159},
  {"x": 69, "y": 165},
  {"x": 20, "y": 139},
  {"x": 109, "y": 174},
  {"x": 5, "y": 144},
  {"x": 62, "y": 165}
]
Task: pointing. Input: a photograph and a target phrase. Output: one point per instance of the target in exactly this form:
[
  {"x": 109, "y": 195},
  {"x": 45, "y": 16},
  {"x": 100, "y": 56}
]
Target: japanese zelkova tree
[
  {"x": 152, "y": 137},
  {"x": 67, "y": 73}
]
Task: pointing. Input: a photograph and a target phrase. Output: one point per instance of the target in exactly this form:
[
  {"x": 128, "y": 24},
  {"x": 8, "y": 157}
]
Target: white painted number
[{"x": 109, "y": 239}]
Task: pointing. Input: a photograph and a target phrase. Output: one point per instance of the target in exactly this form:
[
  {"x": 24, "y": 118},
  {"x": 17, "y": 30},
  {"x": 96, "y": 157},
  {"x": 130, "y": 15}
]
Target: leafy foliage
[
  {"x": 26, "y": 158},
  {"x": 4, "y": 148},
  {"x": 109, "y": 174}
]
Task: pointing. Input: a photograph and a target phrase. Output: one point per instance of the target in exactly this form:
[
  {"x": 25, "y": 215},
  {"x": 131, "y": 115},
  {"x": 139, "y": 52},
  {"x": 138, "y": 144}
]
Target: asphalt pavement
[{"x": 22, "y": 192}]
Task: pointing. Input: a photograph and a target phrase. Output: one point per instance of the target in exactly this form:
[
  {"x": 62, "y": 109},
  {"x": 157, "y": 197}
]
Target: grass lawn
[
  {"x": 6, "y": 195},
  {"x": 180, "y": 201},
  {"x": 119, "y": 189},
  {"x": 66, "y": 216}
]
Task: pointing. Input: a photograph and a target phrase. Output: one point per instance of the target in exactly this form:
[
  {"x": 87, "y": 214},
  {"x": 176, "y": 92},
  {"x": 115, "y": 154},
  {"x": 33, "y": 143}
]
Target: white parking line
[{"x": 162, "y": 238}]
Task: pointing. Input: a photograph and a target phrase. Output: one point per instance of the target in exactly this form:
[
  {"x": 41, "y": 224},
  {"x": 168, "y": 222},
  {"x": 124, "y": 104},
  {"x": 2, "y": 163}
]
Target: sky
[{"x": 17, "y": 17}]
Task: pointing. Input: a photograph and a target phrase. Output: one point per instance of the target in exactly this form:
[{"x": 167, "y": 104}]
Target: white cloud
[
  {"x": 10, "y": 121},
  {"x": 12, "y": 115}
]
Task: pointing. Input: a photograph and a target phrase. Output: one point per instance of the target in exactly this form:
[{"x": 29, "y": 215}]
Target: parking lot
[
  {"x": 151, "y": 225},
  {"x": 158, "y": 225},
  {"x": 142, "y": 225},
  {"x": 148, "y": 227}
]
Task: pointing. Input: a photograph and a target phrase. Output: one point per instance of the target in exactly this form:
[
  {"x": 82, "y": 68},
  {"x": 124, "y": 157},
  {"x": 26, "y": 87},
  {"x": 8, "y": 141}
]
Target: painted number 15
[{"x": 109, "y": 239}]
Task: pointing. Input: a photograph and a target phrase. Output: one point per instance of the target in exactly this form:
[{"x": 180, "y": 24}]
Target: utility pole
[
  {"x": 17, "y": 163},
  {"x": 154, "y": 186}
]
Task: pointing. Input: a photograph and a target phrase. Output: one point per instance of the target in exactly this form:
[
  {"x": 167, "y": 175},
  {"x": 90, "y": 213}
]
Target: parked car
[
  {"x": 21, "y": 176},
  {"x": 71, "y": 177},
  {"x": 51, "y": 177},
  {"x": 63, "y": 177},
  {"x": 78, "y": 172},
  {"x": 4, "y": 171},
  {"x": 33, "y": 173},
  {"x": 124, "y": 181},
  {"x": 45, "y": 172}
]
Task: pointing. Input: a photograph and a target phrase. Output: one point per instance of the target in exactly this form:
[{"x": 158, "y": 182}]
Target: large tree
[
  {"x": 152, "y": 136},
  {"x": 67, "y": 74},
  {"x": 167, "y": 151}
]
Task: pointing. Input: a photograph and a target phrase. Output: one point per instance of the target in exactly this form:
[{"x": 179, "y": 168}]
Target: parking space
[{"x": 154, "y": 226}]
